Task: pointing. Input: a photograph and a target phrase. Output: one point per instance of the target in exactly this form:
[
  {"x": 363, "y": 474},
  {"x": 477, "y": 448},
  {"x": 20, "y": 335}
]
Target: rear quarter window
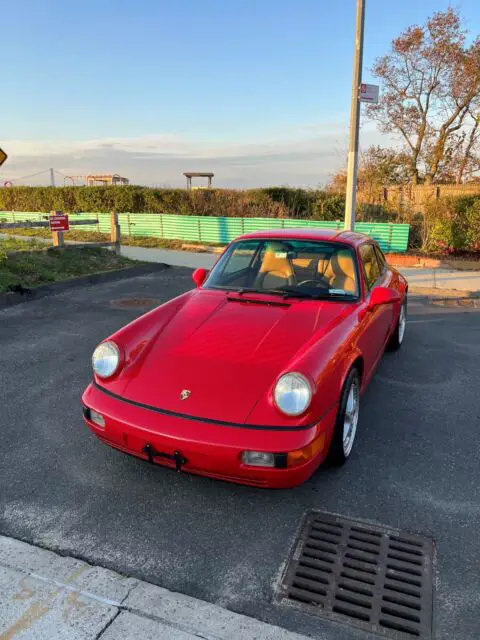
[
  {"x": 382, "y": 262},
  {"x": 371, "y": 268}
]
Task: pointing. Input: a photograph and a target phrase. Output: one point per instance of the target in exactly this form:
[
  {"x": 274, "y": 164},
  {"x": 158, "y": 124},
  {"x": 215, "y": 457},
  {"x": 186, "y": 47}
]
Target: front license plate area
[{"x": 160, "y": 456}]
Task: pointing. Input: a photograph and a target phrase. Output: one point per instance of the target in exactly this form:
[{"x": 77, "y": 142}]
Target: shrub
[
  {"x": 299, "y": 202},
  {"x": 329, "y": 206},
  {"x": 472, "y": 233},
  {"x": 452, "y": 224},
  {"x": 449, "y": 224}
]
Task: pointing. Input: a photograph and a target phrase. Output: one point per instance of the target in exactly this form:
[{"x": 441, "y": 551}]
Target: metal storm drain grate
[{"x": 373, "y": 577}]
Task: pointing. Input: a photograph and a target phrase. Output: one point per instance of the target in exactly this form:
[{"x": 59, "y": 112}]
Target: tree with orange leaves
[{"x": 431, "y": 98}]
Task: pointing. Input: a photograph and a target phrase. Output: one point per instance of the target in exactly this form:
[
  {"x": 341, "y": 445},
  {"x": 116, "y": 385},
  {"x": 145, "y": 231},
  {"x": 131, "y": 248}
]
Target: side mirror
[
  {"x": 381, "y": 296},
  {"x": 198, "y": 276}
]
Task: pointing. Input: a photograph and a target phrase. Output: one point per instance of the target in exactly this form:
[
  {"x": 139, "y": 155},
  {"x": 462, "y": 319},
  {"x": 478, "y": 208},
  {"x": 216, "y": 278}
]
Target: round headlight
[
  {"x": 105, "y": 359},
  {"x": 292, "y": 394}
]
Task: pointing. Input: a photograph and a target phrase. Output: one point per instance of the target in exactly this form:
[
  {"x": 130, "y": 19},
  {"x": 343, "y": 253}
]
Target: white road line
[{"x": 432, "y": 320}]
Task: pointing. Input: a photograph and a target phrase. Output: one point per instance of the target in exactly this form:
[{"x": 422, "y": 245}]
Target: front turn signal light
[{"x": 306, "y": 453}]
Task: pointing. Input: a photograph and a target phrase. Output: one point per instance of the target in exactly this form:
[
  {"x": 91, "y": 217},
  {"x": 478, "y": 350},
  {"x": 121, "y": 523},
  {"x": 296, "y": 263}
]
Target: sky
[{"x": 257, "y": 91}]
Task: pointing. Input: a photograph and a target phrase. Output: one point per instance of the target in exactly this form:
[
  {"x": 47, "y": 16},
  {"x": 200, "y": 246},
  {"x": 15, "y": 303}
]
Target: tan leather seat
[
  {"x": 276, "y": 270},
  {"x": 340, "y": 272},
  {"x": 322, "y": 266},
  {"x": 302, "y": 263}
]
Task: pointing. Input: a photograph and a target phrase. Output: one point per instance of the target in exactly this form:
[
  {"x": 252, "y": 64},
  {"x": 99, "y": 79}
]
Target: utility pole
[
  {"x": 355, "y": 119},
  {"x": 52, "y": 178}
]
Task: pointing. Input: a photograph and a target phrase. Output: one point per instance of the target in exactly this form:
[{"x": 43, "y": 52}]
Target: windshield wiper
[
  {"x": 284, "y": 293},
  {"x": 293, "y": 293}
]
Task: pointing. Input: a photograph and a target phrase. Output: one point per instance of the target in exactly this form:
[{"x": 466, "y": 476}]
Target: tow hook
[{"x": 177, "y": 457}]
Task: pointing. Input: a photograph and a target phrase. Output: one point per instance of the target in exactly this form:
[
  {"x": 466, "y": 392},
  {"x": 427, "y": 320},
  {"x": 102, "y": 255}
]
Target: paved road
[{"x": 416, "y": 466}]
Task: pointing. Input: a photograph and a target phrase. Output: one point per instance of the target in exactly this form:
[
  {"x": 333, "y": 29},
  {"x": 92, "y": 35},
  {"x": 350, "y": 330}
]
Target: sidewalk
[
  {"x": 442, "y": 279},
  {"x": 169, "y": 256},
  {"x": 417, "y": 277},
  {"x": 44, "y": 596}
]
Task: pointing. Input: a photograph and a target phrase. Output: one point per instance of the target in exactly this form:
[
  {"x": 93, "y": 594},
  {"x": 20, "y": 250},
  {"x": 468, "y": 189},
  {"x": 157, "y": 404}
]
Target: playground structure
[
  {"x": 95, "y": 180},
  {"x": 189, "y": 175}
]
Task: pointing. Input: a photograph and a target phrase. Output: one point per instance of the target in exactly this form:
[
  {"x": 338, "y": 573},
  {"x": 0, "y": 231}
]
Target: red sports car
[{"x": 254, "y": 376}]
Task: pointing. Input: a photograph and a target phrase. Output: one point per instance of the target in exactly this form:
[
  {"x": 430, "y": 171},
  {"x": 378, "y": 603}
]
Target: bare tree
[
  {"x": 468, "y": 159},
  {"x": 431, "y": 84}
]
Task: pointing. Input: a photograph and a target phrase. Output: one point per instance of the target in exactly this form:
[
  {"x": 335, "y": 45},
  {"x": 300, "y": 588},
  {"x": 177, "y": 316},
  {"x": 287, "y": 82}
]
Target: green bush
[
  {"x": 271, "y": 202},
  {"x": 452, "y": 224},
  {"x": 472, "y": 234},
  {"x": 449, "y": 224},
  {"x": 329, "y": 206},
  {"x": 299, "y": 202}
]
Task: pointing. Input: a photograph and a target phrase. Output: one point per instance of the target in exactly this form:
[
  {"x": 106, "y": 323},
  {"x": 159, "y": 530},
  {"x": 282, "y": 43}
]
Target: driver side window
[{"x": 370, "y": 264}]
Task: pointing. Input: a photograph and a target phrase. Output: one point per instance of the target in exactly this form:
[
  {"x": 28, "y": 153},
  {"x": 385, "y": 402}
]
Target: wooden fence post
[
  {"x": 58, "y": 240},
  {"x": 115, "y": 232}
]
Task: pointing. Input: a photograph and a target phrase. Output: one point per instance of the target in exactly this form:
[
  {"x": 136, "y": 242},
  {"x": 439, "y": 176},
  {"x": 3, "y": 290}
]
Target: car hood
[{"x": 224, "y": 354}]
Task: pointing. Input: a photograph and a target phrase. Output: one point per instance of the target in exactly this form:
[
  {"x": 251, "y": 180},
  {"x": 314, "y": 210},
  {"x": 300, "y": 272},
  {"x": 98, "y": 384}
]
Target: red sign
[{"x": 59, "y": 222}]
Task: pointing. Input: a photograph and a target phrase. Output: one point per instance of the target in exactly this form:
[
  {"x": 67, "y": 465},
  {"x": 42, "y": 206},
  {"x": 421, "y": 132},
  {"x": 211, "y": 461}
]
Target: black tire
[
  {"x": 336, "y": 455},
  {"x": 398, "y": 338}
]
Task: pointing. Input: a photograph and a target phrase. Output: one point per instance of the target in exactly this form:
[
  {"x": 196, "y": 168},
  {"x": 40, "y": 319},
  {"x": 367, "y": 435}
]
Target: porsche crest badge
[{"x": 185, "y": 394}]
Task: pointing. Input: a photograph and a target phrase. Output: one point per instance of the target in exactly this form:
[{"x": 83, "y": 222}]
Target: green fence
[{"x": 391, "y": 237}]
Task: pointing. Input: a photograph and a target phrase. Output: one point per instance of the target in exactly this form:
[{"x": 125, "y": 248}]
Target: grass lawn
[
  {"x": 94, "y": 236},
  {"x": 30, "y": 265},
  {"x": 15, "y": 244}
]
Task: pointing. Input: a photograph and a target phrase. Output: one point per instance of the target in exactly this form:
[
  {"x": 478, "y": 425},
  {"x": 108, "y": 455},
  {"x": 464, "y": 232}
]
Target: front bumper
[{"x": 201, "y": 447}]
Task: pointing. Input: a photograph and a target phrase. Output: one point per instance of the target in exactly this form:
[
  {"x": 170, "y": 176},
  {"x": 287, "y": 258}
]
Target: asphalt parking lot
[{"x": 416, "y": 465}]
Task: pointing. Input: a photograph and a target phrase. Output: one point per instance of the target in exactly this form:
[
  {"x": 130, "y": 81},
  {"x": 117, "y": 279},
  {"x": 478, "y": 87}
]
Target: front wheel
[
  {"x": 398, "y": 335},
  {"x": 347, "y": 420}
]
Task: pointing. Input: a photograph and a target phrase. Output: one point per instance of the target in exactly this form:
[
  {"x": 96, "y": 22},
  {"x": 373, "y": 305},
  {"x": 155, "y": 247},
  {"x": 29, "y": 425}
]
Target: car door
[{"x": 376, "y": 324}]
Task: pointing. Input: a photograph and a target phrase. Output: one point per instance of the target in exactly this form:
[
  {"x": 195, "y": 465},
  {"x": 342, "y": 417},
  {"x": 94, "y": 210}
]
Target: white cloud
[{"x": 304, "y": 156}]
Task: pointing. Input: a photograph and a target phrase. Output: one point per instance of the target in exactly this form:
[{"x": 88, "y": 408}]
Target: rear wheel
[
  {"x": 347, "y": 420},
  {"x": 398, "y": 335}
]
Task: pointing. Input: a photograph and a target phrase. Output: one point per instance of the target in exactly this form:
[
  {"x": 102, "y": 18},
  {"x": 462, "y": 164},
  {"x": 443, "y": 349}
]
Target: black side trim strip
[{"x": 222, "y": 423}]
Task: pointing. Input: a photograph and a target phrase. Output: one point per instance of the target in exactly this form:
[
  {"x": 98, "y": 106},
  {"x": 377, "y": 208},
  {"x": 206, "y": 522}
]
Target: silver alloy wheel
[
  {"x": 350, "y": 421},
  {"x": 402, "y": 323}
]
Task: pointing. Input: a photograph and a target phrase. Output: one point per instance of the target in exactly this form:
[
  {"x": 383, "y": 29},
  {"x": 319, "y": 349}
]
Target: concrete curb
[
  {"x": 11, "y": 299},
  {"x": 432, "y": 292},
  {"x": 424, "y": 262},
  {"x": 45, "y": 595}
]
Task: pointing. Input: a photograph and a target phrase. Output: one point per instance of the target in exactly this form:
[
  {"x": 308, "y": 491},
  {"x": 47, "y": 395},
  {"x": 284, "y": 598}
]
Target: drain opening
[{"x": 370, "y": 576}]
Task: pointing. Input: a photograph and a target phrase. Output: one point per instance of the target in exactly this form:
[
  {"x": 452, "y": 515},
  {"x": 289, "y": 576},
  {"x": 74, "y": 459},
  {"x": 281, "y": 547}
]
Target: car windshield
[{"x": 287, "y": 267}]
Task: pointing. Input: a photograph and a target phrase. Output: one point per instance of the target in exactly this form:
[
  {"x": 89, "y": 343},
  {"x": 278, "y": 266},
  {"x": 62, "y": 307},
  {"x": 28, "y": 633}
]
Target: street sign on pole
[
  {"x": 369, "y": 93},
  {"x": 3, "y": 157},
  {"x": 59, "y": 222}
]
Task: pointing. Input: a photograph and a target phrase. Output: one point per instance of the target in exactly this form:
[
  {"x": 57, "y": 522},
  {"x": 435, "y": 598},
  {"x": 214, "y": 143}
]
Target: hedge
[
  {"x": 449, "y": 224},
  {"x": 271, "y": 202},
  {"x": 452, "y": 224}
]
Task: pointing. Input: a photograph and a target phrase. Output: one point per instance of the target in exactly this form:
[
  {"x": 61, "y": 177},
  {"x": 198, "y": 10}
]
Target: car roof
[{"x": 351, "y": 238}]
